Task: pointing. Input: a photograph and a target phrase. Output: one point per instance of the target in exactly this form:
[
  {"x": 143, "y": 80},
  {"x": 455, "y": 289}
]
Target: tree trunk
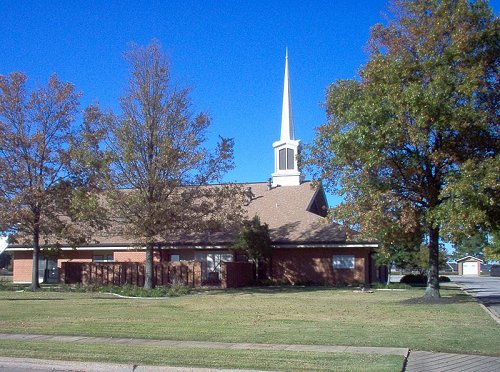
[
  {"x": 432, "y": 290},
  {"x": 148, "y": 268},
  {"x": 35, "y": 284},
  {"x": 257, "y": 270}
]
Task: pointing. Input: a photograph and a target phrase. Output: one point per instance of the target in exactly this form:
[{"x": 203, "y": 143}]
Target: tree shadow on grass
[
  {"x": 455, "y": 298},
  {"x": 274, "y": 290}
]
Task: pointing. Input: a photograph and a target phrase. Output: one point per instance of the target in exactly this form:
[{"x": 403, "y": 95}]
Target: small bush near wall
[
  {"x": 160, "y": 291},
  {"x": 495, "y": 270},
  {"x": 128, "y": 290}
]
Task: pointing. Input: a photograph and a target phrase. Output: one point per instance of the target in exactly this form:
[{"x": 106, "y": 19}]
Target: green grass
[
  {"x": 213, "y": 358},
  {"x": 284, "y": 316}
]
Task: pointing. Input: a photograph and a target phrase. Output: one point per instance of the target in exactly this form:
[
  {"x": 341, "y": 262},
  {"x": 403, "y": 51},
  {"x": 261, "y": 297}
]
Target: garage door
[{"x": 470, "y": 268}]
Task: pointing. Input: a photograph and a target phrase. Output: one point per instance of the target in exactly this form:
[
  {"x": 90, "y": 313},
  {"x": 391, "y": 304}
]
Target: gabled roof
[
  {"x": 296, "y": 216},
  {"x": 469, "y": 258}
]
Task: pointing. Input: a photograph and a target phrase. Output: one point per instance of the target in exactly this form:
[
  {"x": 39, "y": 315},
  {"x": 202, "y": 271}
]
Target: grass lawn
[
  {"x": 283, "y": 316},
  {"x": 213, "y": 358}
]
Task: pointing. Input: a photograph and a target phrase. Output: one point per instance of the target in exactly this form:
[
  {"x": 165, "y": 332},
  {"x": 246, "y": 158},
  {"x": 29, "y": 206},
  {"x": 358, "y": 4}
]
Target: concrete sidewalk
[
  {"x": 207, "y": 344},
  {"x": 416, "y": 361},
  {"x": 43, "y": 365},
  {"x": 420, "y": 361},
  {"x": 37, "y": 365}
]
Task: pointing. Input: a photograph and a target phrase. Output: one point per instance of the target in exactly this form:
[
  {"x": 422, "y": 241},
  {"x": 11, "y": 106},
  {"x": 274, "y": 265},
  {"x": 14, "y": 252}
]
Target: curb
[
  {"x": 490, "y": 312},
  {"x": 7, "y": 364},
  {"x": 405, "y": 362}
]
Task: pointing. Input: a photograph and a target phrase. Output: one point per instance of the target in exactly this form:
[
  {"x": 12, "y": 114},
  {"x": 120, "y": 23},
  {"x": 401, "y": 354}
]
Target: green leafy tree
[
  {"x": 471, "y": 246},
  {"x": 416, "y": 138},
  {"x": 160, "y": 172},
  {"x": 492, "y": 250},
  {"x": 421, "y": 261},
  {"x": 254, "y": 239},
  {"x": 41, "y": 199}
]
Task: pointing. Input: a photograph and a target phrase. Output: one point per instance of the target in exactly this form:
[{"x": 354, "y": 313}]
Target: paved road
[{"x": 485, "y": 288}]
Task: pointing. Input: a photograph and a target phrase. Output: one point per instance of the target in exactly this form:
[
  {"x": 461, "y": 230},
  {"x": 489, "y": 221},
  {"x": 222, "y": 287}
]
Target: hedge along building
[{"x": 307, "y": 248}]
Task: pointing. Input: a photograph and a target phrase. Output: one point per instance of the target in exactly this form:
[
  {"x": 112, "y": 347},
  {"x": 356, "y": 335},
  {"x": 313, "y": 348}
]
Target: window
[
  {"x": 282, "y": 159},
  {"x": 290, "y": 159},
  {"x": 343, "y": 262},
  {"x": 103, "y": 258},
  {"x": 286, "y": 159},
  {"x": 213, "y": 259},
  {"x": 175, "y": 258}
]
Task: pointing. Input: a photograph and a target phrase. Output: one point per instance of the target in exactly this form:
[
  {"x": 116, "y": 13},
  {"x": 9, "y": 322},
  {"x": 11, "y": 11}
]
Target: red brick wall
[
  {"x": 22, "y": 266},
  {"x": 237, "y": 274},
  {"x": 23, "y": 263},
  {"x": 129, "y": 256},
  {"x": 314, "y": 266},
  {"x": 74, "y": 256},
  {"x": 300, "y": 265}
]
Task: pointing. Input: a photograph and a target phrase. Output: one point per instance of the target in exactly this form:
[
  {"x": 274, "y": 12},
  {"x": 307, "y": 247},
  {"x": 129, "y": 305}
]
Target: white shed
[{"x": 469, "y": 266}]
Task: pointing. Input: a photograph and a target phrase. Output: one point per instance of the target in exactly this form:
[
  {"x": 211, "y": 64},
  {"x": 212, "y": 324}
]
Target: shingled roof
[{"x": 295, "y": 214}]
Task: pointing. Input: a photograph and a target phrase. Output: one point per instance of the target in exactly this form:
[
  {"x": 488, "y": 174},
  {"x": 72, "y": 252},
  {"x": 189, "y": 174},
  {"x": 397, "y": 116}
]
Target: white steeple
[
  {"x": 286, "y": 171},
  {"x": 286, "y": 113}
]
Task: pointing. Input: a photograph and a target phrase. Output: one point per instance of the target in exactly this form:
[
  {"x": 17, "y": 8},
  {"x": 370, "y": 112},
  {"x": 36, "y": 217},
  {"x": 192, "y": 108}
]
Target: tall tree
[
  {"x": 492, "y": 250},
  {"x": 158, "y": 156},
  {"x": 37, "y": 190},
  {"x": 470, "y": 246},
  {"x": 402, "y": 143}
]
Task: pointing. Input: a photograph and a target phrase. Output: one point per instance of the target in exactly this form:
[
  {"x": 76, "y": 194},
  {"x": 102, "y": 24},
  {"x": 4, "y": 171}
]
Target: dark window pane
[
  {"x": 290, "y": 159},
  {"x": 282, "y": 159}
]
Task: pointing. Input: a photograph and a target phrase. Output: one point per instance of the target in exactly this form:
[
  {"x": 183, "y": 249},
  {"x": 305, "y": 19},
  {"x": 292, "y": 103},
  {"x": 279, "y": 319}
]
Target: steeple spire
[
  {"x": 286, "y": 168},
  {"x": 286, "y": 113}
]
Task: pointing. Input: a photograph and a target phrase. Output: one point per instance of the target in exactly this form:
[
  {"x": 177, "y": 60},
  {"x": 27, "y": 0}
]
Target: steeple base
[{"x": 288, "y": 179}]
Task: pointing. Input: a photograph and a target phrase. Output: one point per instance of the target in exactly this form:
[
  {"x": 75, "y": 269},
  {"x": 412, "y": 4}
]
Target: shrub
[
  {"x": 178, "y": 289},
  {"x": 418, "y": 279},
  {"x": 6, "y": 284}
]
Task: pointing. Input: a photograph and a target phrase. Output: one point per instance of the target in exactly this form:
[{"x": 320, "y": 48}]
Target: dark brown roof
[
  {"x": 291, "y": 213},
  {"x": 294, "y": 214}
]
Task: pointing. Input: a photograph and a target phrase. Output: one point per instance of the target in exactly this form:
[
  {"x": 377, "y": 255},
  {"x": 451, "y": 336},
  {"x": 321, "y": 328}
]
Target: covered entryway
[
  {"x": 211, "y": 264},
  {"x": 469, "y": 266}
]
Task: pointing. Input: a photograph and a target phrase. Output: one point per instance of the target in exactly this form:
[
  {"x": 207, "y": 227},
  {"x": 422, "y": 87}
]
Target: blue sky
[{"x": 231, "y": 53}]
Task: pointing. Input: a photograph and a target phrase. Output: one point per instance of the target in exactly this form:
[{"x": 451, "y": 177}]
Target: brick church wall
[{"x": 314, "y": 266}]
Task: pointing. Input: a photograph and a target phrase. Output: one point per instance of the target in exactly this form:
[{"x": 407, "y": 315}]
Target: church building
[{"x": 307, "y": 248}]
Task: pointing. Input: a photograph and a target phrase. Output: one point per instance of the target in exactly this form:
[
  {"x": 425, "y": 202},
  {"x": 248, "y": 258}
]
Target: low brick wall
[
  {"x": 314, "y": 266},
  {"x": 120, "y": 273},
  {"x": 237, "y": 274}
]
